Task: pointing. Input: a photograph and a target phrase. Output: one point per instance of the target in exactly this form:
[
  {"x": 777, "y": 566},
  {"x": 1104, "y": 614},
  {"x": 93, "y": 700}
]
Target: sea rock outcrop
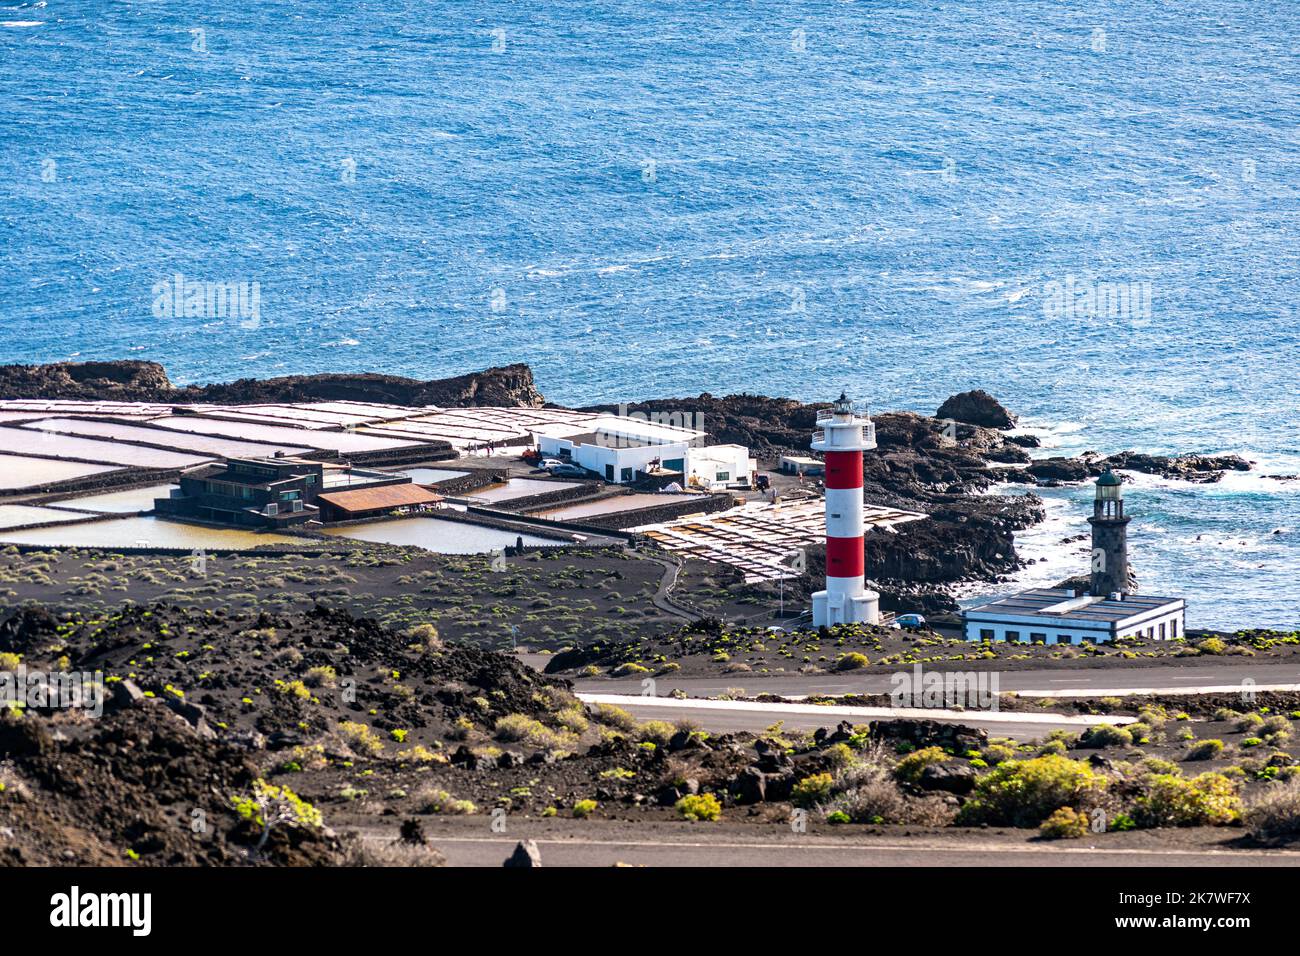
[
  {"x": 1196, "y": 468},
  {"x": 133, "y": 381},
  {"x": 976, "y": 407},
  {"x": 125, "y": 381}
]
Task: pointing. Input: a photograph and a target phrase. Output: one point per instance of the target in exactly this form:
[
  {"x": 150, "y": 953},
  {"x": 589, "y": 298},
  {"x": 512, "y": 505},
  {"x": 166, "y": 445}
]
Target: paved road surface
[
  {"x": 604, "y": 843},
  {"x": 756, "y": 718},
  {"x": 1099, "y": 680}
]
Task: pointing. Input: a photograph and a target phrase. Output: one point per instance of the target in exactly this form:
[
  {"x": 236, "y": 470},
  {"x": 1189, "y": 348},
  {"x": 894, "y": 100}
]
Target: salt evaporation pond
[
  {"x": 181, "y": 441},
  {"x": 518, "y": 488},
  {"x": 24, "y": 440},
  {"x": 437, "y": 535},
  {"x": 430, "y": 476},
  {"x": 15, "y": 516},
  {"x": 607, "y": 506},
  {"x": 19, "y": 471},
  {"x": 145, "y": 532},
  {"x": 119, "y": 502}
]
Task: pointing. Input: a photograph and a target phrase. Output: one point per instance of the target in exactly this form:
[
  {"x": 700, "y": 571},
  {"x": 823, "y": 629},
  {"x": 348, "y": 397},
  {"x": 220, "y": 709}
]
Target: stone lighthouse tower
[
  {"x": 842, "y": 436},
  {"x": 1109, "y": 537}
]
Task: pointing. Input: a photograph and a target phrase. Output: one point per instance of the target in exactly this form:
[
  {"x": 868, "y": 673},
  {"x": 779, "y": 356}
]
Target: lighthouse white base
[{"x": 835, "y": 608}]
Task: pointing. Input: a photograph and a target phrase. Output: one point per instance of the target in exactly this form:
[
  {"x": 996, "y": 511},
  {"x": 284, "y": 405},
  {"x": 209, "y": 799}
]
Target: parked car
[
  {"x": 910, "y": 620},
  {"x": 564, "y": 468}
]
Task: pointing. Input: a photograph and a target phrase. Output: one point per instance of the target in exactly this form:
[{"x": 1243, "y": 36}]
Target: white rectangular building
[
  {"x": 1057, "y": 616},
  {"x": 617, "y": 447},
  {"x": 718, "y": 467}
]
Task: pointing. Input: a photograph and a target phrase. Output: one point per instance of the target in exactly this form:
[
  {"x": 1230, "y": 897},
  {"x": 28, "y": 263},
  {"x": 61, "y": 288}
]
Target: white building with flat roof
[
  {"x": 718, "y": 467},
  {"x": 617, "y": 447},
  {"x": 1058, "y": 616},
  {"x": 1106, "y": 612}
]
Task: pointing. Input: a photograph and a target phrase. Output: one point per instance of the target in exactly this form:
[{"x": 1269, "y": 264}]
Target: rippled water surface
[{"x": 648, "y": 199}]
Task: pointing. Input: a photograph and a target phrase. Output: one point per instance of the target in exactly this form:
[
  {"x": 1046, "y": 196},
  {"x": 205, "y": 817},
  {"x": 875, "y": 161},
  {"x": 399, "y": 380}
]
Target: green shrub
[
  {"x": 1065, "y": 823},
  {"x": 852, "y": 661},
  {"x": 1212, "y": 645},
  {"x": 1170, "y": 801},
  {"x": 837, "y": 817},
  {"x": 995, "y": 754},
  {"x": 657, "y": 732},
  {"x": 1248, "y": 722},
  {"x": 699, "y": 806},
  {"x": 1275, "y": 813},
  {"x": 839, "y": 755},
  {"x": 1024, "y": 793},
  {"x": 910, "y": 767},
  {"x": 433, "y": 800},
  {"x": 812, "y": 790},
  {"x": 584, "y": 808},
  {"x": 612, "y": 716},
  {"x": 1104, "y": 735},
  {"x": 360, "y": 737},
  {"x": 623, "y": 670},
  {"x": 323, "y": 676},
  {"x": 524, "y": 729},
  {"x": 1205, "y": 750}
]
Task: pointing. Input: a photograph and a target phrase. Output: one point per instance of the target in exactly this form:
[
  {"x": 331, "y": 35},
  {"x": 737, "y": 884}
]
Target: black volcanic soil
[
  {"x": 551, "y": 597},
  {"x": 373, "y": 727}
]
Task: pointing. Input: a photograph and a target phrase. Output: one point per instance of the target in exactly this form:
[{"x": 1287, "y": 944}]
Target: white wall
[
  {"x": 596, "y": 457},
  {"x": 706, "y": 463},
  {"x": 1076, "y": 633}
]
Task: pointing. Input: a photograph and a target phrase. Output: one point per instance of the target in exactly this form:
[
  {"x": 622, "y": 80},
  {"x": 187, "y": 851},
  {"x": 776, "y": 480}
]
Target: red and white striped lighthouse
[{"x": 842, "y": 436}]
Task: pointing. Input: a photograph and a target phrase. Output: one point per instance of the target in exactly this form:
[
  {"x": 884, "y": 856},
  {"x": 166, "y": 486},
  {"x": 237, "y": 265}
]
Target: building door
[{"x": 609, "y": 472}]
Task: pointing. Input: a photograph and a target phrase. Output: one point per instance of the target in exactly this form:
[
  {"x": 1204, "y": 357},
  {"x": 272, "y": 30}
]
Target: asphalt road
[
  {"x": 1045, "y": 681},
  {"x": 737, "y": 718},
  {"x": 605, "y": 843}
]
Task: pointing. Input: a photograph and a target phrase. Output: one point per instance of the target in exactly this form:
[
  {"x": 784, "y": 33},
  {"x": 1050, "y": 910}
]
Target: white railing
[{"x": 867, "y": 432}]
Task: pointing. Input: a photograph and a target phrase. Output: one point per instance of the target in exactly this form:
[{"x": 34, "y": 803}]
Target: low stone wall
[
  {"x": 122, "y": 480},
  {"x": 464, "y": 484},
  {"x": 478, "y": 517},
  {"x": 656, "y": 514},
  {"x": 543, "y": 525},
  {"x": 426, "y": 451},
  {"x": 592, "y": 490}
]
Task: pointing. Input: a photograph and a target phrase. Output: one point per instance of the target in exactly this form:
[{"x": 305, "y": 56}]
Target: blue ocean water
[{"x": 656, "y": 198}]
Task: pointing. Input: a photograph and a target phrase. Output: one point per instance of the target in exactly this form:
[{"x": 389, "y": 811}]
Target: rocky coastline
[{"x": 944, "y": 465}]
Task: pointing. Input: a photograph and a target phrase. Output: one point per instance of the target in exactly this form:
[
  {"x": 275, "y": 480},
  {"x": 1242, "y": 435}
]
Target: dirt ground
[
  {"x": 348, "y": 724},
  {"x": 549, "y": 598}
]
